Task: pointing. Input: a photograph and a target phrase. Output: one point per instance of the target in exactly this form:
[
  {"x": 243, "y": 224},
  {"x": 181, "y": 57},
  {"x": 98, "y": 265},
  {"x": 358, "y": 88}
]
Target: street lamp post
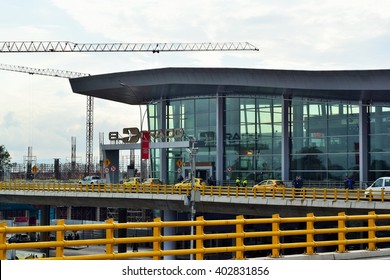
[
  {"x": 141, "y": 119},
  {"x": 192, "y": 151}
]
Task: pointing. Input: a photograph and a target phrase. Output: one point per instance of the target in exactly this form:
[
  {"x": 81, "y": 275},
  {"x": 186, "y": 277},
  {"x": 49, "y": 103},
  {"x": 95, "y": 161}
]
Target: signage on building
[
  {"x": 133, "y": 135},
  {"x": 145, "y": 140}
]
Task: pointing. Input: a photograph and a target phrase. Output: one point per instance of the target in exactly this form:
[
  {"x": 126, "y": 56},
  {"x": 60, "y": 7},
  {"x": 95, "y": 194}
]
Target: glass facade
[
  {"x": 252, "y": 138},
  {"x": 379, "y": 144},
  {"x": 323, "y": 135},
  {"x": 324, "y": 140}
]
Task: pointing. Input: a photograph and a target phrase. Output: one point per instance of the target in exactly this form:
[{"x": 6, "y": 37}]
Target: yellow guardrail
[
  {"x": 291, "y": 193},
  {"x": 273, "y": 235}
]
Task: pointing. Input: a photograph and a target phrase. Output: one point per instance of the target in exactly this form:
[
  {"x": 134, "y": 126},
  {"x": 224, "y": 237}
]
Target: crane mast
[{"x": 67, "y": 46}]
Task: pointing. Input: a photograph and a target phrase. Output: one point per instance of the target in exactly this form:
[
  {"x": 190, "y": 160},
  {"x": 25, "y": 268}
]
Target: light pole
[
  {"x": 141, "y": 120},
  {"x": 193, "y": 195}
]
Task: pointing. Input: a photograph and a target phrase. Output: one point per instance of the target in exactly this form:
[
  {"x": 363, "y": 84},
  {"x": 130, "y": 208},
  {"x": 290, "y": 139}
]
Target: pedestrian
[
  {"x": 346, "y": 182},
  {"x": 245, "y": 183},
  {"x": 351, "y": 183},
  {"x": 238, "y": 182},
  {"x": 297, "y": 184},
  {"x": 300, "y": 182},
  {"x": 210, "y": 181},
  {"x": 180, "y": 178}
]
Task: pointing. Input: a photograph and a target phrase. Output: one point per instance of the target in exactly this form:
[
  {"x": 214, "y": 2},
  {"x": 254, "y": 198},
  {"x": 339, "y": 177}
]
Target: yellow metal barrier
[
  {"x": 229, "y": 191},
  {"x": 272, "y": 237}
]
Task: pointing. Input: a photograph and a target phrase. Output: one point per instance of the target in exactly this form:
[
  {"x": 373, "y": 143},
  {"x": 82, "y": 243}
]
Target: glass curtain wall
[
  {"x": 253, "y": 129},
  {"x": 153, "y": 124},
  {"x": 198, "y": 119},
  {"x": 323, "y": 135},
  {"x": 324, "y": 140},
  {"x": 379, "y": 144}
]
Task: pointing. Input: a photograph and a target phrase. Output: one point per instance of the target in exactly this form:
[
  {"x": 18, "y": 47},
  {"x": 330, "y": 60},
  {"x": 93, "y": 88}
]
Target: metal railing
[
  {"x": 286, "y": 193},
  {"x": 271, "y": 236}
]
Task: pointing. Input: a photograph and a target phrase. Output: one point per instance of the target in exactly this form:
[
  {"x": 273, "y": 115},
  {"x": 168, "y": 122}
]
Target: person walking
[
  {"x": 244, "y": 183},
  {"x": 297, "y": 184},
  {"x": 238, "y": 182}
]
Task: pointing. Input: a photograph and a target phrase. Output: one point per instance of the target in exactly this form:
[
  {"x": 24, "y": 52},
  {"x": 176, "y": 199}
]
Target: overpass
[{"x": 212, "y": 199}]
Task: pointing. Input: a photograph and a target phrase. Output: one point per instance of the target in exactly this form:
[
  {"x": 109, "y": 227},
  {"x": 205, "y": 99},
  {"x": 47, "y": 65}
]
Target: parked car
[
  {"x": 132, "y": 182},
  {"x": 376, "y": 188},
  {"x": 199, "y": 184},
  {"x": 151, "y": 182},
  {"x": 19, "y": 238},
  {"x": 92, "y": 180},
  {"x": 269, "y": 185}
]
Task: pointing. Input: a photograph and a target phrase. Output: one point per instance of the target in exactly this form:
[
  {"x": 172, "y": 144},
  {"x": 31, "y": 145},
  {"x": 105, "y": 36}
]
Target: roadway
[{"x": 214, "y": 200}]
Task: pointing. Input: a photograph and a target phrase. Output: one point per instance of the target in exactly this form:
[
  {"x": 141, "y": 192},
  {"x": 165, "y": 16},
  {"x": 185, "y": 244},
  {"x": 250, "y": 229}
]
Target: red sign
[{"x": 145, "y": 140}]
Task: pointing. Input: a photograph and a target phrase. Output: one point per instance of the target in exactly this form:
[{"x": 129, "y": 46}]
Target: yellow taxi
[
  {"x": 151, "y": 182},
  {"x": 132, "y": 182},
  {"x": 269, "y": 185},
  {"x": 199, "y": 184}
]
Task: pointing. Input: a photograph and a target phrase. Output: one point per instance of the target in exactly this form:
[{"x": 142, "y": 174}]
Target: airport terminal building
[{"x": 254, "y": 123}]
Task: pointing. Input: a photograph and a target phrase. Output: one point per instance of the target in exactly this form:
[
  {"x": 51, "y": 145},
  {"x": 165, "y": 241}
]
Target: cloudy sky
[{"x": 44, "y": 113}]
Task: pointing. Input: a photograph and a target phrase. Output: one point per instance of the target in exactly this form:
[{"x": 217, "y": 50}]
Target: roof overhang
[{"x": 144, "y": 86}]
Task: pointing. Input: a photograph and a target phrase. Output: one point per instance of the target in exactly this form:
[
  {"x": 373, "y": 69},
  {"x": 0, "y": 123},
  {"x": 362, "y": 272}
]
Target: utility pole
[{"x": 194, "y": 195}]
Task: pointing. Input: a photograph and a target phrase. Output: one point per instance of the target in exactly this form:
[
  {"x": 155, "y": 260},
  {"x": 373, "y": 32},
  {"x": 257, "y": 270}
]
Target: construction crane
[
  {"x": 90, "y": 102},
  {"x": 67, "y": 46}
]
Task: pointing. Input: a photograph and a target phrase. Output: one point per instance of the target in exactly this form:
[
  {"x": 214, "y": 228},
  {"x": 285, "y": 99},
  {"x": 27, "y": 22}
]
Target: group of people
[{"x": 244, "y": 182}]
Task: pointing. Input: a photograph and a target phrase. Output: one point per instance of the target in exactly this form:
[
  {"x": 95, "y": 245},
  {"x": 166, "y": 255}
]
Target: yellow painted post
[
  {"x": 157, "y": 237},
  {"x": 60, "y": 236},
  {"x": 342, "y": 232},
  {"x": 3, "y": 235},
  {"x": 310, "y": 234},
  {"x": 110, "y": 237},
  {"x": 240, "y": 237},
  {"x": 276, "y": 236},
  {"x": 325, "y": 194},
  {"x": 199, "y": 242},
  {"x": 371, "y": 231}
]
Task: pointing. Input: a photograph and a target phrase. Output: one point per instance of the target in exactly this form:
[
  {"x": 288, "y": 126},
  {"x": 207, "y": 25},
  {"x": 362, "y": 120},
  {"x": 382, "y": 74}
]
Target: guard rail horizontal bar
[
  {"x": 291, "y": 193},
  {"x": 270, "y": 235}
]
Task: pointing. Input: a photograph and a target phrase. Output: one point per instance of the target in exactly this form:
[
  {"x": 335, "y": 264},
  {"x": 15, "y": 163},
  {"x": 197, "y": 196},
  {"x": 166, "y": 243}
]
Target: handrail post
[
  {"x": 341, "y": 224},
  {"x": 60, "y": 236},
  {"x": 371, "y": 232},
  {"x": 110, "y": 236},
  {"x": 276, "y": 236},
  {"x": 240, "y": 238},
  {"x": 310, "y": 233},
  {"x": 157, "y": 237},
  {"x": 3, "y": 239},
  {"x": 199, "y": 242}
]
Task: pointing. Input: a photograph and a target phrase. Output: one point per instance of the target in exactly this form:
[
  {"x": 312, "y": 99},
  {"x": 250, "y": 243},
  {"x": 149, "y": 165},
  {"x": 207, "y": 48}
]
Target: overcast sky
[{"x": 44, "y": 113}]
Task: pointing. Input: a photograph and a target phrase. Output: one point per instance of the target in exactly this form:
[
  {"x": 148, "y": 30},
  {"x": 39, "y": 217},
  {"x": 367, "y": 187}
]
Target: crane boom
[
  {"x": 67, "y": 46},
  {"x": 43, "y": 71}
]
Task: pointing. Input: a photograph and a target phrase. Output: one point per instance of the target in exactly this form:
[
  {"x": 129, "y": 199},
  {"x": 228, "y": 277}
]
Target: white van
[{"x": 376, "y": 188}]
